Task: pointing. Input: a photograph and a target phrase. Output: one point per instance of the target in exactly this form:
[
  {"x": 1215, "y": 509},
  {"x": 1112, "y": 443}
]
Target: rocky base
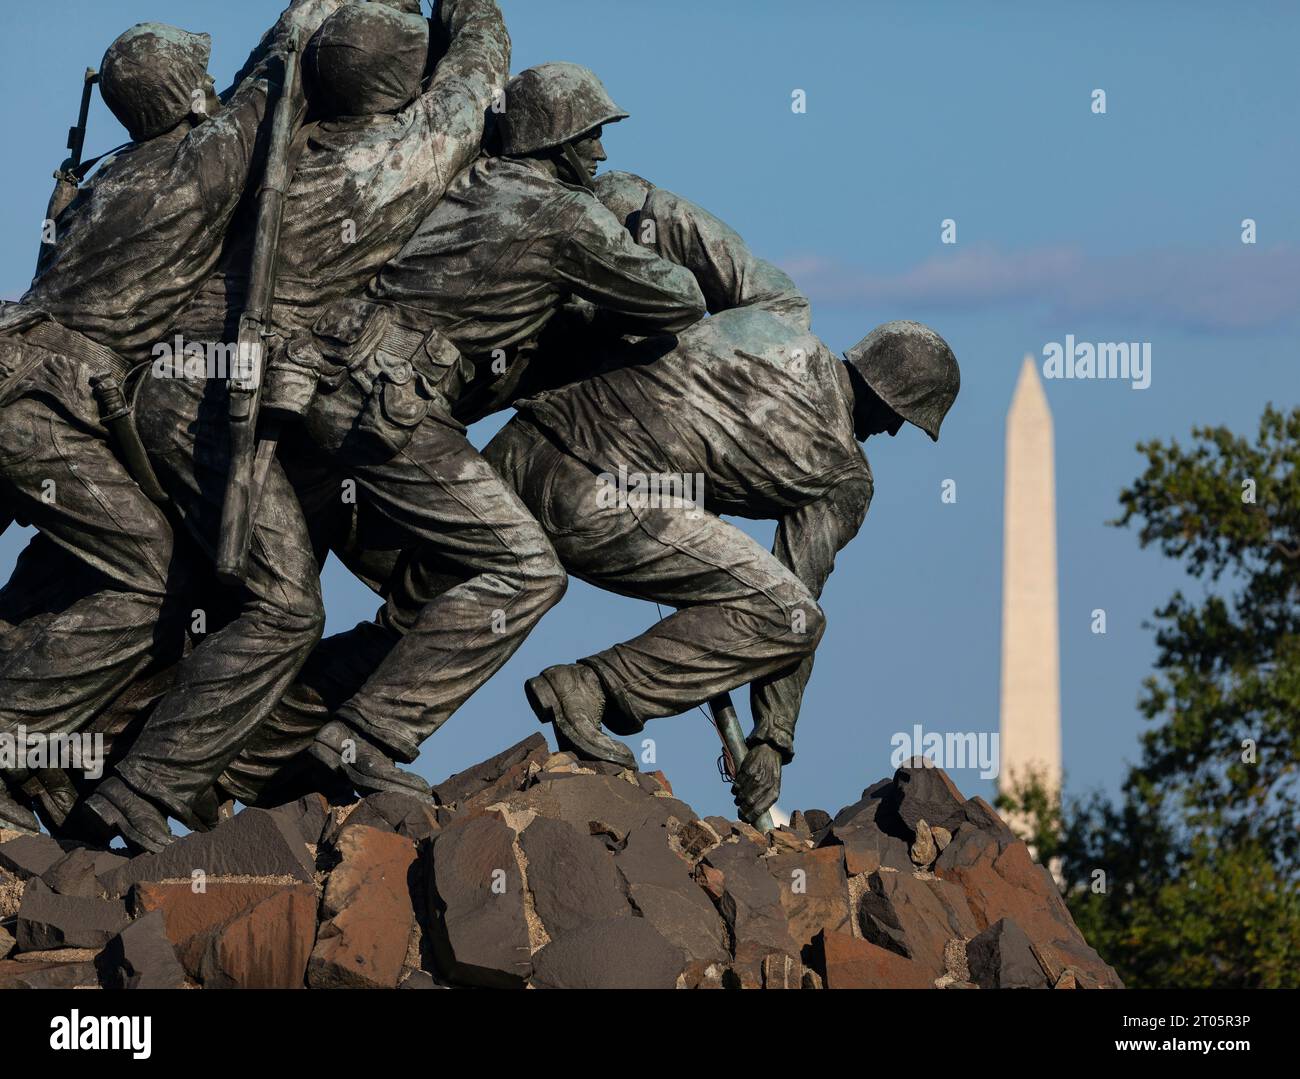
[{"x": 536, "y": 870}]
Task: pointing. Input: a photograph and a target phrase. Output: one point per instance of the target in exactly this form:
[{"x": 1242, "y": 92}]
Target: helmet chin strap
[{"x": 579, "y": 170}]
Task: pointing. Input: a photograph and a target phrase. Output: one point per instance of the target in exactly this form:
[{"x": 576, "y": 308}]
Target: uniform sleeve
[
  {"x": 603, "y": 264},
  {"x": 729, "y": 273},
  {"x": 807, "y": 542},
  {"x": 452, "y": 111}
]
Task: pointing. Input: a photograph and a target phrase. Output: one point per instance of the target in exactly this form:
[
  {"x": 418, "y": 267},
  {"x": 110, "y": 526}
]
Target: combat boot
[
  {"x": 346, "y": 751},
  {"x": 118, "y": 810},
  {"x": 15, "y": 816},
  {"x": 571, "y": 697}
]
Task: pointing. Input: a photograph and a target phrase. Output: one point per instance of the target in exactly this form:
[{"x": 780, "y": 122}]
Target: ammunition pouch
[{"x": 387, "y": 373}]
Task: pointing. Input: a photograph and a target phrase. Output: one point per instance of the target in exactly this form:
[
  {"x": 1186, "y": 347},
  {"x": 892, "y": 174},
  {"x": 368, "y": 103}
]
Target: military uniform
[{"x": 130, "y": 250}]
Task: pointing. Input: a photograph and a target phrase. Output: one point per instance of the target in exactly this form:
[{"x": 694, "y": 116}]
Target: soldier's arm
[
  {"x": 302, "y": 16},
  {"x": 603, "y": 264},
  {"x": 451, "y": 112},
  {"x": 729, "y": 273},
  {"x": 807, "y": 541}
]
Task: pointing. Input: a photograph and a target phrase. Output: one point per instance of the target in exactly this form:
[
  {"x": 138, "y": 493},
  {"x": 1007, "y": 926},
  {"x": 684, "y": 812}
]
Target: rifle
[
  {"x": 69, "y": 175},
  {"x": 250, "y": 458},
  {"x": 733, "y": 741}
]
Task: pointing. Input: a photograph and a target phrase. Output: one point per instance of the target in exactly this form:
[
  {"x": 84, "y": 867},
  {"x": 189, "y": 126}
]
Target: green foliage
[{"x": 1201, "y": 853}]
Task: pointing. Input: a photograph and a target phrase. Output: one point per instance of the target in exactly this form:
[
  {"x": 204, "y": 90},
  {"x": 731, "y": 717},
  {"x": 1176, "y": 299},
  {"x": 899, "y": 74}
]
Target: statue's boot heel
[{"x": 575, "y": 732}]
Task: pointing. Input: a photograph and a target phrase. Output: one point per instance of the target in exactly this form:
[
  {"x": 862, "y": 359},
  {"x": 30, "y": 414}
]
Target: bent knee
[{"x": 545, "y": 578}]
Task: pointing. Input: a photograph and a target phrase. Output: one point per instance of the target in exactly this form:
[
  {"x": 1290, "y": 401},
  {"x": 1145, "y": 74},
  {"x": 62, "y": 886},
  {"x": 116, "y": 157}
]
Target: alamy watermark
[
  {"x": 652, "y": 490},
  {"x": 23, "y": 749},
  {"x": 1123, "y": 360},
  {"x": 948, "y": 749}
]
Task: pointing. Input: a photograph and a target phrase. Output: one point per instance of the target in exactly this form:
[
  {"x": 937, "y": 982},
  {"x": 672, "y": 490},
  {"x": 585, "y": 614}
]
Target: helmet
[
  {"x": 148, "y": 77},
  {"x": 551, "y": 104},
  {"x": 366, "y": 59},
  {"x": 912, "y": 369}
]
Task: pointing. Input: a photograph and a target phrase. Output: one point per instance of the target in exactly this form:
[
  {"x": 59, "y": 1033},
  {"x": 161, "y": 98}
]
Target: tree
[{"x": 1199, "y": 860}]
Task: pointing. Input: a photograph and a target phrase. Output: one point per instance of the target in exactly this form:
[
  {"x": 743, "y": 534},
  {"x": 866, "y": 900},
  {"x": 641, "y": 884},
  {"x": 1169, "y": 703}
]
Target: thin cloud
[{"x": 1249, "y": 289}]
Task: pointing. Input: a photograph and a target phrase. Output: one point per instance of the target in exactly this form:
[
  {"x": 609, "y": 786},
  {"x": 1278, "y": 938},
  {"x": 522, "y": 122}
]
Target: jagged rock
[
  {"x": 80, "y": 974},
  {"x": 660, "y": 886},
  {"x": 617, "y": 953},
  {"x": 419, "y": 979},
  {"x": 942, "y": 837},
  {"x": 265, "y": 947},
  {"x": 751, "y": 898},
  {"x": 308, "y": 814},
  {"x": 29, "y": 856},
  {"x": 711, "y": 880},
  {"x": 253, "y": 843},
  {"x": 870, "y": 835},
  {"x": 366, "y": 912},
  {"x": 700, "y": 974},
  {"x": 984, "y": 817},
  {"x": 923, "y": 851},
  {"x": 814, "y": 892},
  {"x": 845, "y": 962},
  {"x": 11, "y": 894},
  {"x": 782, "y": 972},
  {"x": 393, "y": 811},
  {"x": 913, "y": 918},
  {"x": 582, "y": 798},
  {"x": 508, "y": 764},
  {"x": 785, "y": 840},
  {"x": 693, "y": 839},
  {"x": 799, "y": 825},
  {"x": 571, "y": 876},
  {"x": 78, "y": 872},
  {"x": 7, "y": 943},
  {"x": 48, "y": 920},
  {"x": 660, "y": 779},
  {"x": 141, "y": 957},
  {"x": 1001, "y": 957},
  {"x": 1001, "y": 881},
  {"x": 924, "y": 792},
  {"x": 480, "y": 930},
  {"x": 818, "y": 820},
  {"x": 191, "y": 917}
]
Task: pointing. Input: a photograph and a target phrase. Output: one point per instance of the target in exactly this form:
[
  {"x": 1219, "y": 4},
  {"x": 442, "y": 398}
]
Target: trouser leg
[
  {"x": 230, "y": 683},
  {"x": 476, "y": 575},
  {"x": 99, "y": 594},
  {"x": 741, "y": 614}
]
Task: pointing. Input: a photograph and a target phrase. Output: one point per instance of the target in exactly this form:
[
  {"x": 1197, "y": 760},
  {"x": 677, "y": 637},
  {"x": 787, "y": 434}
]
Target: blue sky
[{"x": 1117, "y": 227}]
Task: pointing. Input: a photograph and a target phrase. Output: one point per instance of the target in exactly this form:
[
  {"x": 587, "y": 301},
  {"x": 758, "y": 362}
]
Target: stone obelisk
[{"x": 1031, "y": 694}]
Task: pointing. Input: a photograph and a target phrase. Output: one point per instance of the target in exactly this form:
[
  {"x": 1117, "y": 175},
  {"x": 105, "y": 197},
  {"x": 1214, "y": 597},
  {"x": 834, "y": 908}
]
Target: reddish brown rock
[
  {"x": 366, "y": 912},
  {"x": 265, "y": 947},
  {"x": 814, "y": 892},
  {"x": 845, "y": 962},
  {"x": 907, "y": 915},
  {"x": 497, "y": 775}
]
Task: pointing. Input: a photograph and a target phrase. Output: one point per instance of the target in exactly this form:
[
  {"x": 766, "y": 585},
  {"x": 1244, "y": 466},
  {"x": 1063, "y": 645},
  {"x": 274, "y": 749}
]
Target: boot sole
[
  {"x": 364, "y": 783},
  {"x": 115, "y": 820},
  {"x": 546, "y": 706}
]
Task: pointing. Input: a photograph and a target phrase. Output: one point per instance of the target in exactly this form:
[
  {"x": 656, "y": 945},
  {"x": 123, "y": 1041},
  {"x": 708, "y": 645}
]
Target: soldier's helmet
[
  {"x": 150, "y": 74},
  {"x": 551, "y": 104},
  {"x": 366, "y": 59},
  {"x": 912, "y": 369}
]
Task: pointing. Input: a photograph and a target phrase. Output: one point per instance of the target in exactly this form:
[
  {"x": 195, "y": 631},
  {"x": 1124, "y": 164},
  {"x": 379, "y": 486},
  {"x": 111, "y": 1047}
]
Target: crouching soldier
[{"x": 755, "y": 408}]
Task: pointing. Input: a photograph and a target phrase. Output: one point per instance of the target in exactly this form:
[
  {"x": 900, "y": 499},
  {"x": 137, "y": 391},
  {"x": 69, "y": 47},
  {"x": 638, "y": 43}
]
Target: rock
[
  {"x": 253, "y": 843},
  {"x": 29, "y": 856},
  {"x": 419, "y": 979},
  {"x": 80, "y": 974},
  {"x": 845, "y": 962},
  {"x": 923, "y": 851},
  {"x": 7, "y": 943},
  {"x": 141, "y": 957},
  {"x": 660, "y": 886},
  {"x": 78, "y": 872},
  {"x": 1002, "y": 881},
  {"x": 660, "y": 779},
  {"x": 266, "y": 946},
  {"x": 48, "y": 920},
  {"x": 984, "y": 817},
  {"x": 871, "y": 835},
  {"x": 479, "y": 927},
  {"x": 751, "y": 898},
  {"x": 814, "y": 892},
  {"x": 308, "y": 815},
  {"x": 582, "y": 798},
  {"x": 782, "y": 972},
  {"x": 1001, "y": 957},
  {"x": 702, "y": 975},
  {"x": 799, "y": 825},
  {"x": 617, "y": 953},
  {"x": 785, "y": 840},
  {"x": 906, "y": 915},
  {"x": 366, "y": 912},
  {"x": 392, "y": 811},
  {"x": 712, "y": 881},
  {"x": 818, "y": 820},
  {"x": 190, "y": 918},
  {"x": 11, "y": 894},
  {"x": 571, "y": 877},
  {"x": 464, "y": 785},
  {"x": 924, "y": 792},
  {"x": 942, "y": 837},
  {"x": 693, "y": 839}
]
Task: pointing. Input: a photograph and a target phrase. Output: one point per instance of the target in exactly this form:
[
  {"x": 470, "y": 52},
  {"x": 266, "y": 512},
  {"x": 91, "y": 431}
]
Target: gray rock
[
  {"x": 464, "y": 785},
  {"x": 751, "y": 898},
  {"x": 661, "y": 887},
  {"x": 29, "y": 856},
  {"x": 253, "y": 843},
  {"x": 618, "y": 953},
  {"x": 7, "y": 943},
  {"x": 479, "y": 928},
  {"x": 141, "y": 957},
  {"x": 1001, "y": 957},
  {"x": 78, "y": 872},
  {"x": 394, "y": 812},
  {"x": 924, "y": 792},
  {"x": 308, "y": 814},
  {"x": 571, "y": 876},
  {"x": 47, "y": 920},
  {"x": 908, "y": 916},
  {"x": 923, "y": 851}
]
